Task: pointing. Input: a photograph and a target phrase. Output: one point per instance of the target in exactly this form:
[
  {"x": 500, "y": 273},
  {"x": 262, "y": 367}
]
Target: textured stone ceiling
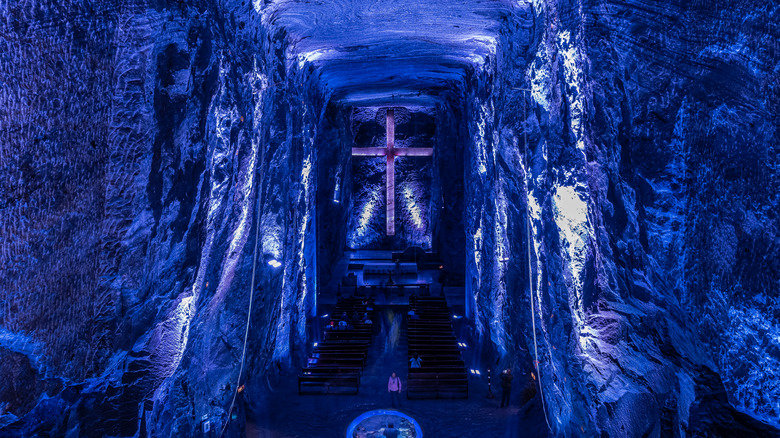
[{"x": 374, "y": 52}]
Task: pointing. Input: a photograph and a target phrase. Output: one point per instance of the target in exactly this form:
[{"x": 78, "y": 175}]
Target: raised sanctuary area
[{"x": 378, "y": 219}]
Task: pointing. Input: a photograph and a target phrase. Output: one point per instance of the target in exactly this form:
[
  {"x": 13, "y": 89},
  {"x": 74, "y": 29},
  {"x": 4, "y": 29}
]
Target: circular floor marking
[{"x": 375, "y": 421}]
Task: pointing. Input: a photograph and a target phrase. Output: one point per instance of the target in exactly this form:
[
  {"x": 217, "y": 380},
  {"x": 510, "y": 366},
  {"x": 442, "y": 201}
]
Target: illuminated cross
[{"x": 390, "y": 152}]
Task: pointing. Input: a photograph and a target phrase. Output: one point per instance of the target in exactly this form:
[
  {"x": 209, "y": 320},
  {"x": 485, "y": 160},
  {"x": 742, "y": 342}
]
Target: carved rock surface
[{"x": 151, "y": 152}]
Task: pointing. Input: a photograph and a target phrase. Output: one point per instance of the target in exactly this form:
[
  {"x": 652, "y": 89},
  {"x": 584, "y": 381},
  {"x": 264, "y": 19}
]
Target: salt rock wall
[
  {"x": 53, "y": 168},
  {"x": 151, "y": 149},
  {"x": 334, "y": 154},
  {"x": 447, "y": 199},
  {"x": 650, "y": 180},
  {"x": 141, "y": 143},
  {"x": 56, "y": 323}
]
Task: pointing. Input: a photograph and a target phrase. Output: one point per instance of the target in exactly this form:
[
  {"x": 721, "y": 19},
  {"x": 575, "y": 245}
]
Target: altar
[{"x": 387, "y": 268}]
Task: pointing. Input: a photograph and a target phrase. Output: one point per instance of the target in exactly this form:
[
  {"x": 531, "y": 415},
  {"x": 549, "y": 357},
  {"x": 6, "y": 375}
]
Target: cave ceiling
[{"x": 374, "y": 53}]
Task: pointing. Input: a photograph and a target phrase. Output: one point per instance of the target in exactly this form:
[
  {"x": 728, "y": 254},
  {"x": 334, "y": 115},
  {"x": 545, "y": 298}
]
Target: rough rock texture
[
  {"x": 139, "y": 142},
  {"x": 652, "y": 146},
  {"x": 149, "y": 148},
  {"x": 334, "y": 195},
  {"x": 447, "y": 214}
]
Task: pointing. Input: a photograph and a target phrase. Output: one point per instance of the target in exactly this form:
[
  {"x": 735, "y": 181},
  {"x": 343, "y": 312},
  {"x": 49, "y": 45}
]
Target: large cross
[{"x": 390, "y": 152}]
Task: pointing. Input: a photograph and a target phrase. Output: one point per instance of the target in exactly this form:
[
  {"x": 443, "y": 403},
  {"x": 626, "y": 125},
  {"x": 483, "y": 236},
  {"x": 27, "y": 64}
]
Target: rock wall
[
  {"x": 652, "y": 151},
  {"x": 151, "y": 149},
  {"x": 52, "y": 193},
  {"x": 141, "y": 141},
  {"x": 447, "y": 210},
  {"x": 335, "y": 193}
]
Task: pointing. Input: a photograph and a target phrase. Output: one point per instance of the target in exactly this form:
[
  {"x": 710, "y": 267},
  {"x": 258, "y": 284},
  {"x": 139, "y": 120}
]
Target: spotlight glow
[
  {"x": 413, "y": 207},
  {"x": 365, "y": 216}
]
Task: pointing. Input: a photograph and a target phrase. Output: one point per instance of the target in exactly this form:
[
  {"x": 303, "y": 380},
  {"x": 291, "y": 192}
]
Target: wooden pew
[
  {"x": 330, "y": 371},
  {"x": 431, "y": 336},
  {"x": 347, "y": 335},
  {"x": 336, "y": 355},
  {"x": 341, "y": 347},
  {"x": 336, "y": 363}
]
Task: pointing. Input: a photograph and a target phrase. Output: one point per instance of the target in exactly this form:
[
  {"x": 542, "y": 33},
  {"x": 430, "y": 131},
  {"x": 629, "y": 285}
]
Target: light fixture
[{"x": 274, "y": 263}]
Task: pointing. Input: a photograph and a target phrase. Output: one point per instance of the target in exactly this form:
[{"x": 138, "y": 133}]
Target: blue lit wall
[
  {"x": 145, "y": 145},
  {"x": 159, "y": 137},
  {"x": 334, "y": 192},
  {"x": 644, "y": 189}
]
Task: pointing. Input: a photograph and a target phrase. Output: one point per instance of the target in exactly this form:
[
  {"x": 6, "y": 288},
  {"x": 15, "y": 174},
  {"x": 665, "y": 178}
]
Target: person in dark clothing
[
  {"x": 506, "y": 386},
  {"x": 391, "y": 431}
]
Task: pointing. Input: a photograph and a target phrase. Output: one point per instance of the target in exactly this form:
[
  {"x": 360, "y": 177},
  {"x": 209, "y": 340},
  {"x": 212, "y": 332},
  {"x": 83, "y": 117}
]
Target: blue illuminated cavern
[{"x": 196, "y": 197}]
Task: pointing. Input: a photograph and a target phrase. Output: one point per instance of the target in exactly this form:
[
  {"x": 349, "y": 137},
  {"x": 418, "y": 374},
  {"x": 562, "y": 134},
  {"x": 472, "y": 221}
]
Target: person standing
[
  {"x": 506, "y": 386},
  {"x": 394, "y": 388}
]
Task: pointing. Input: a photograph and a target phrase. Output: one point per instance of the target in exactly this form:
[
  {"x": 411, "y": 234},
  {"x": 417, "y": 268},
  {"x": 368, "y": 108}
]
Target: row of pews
[
  {"x": 431, "y": 336},
  {"x": 336, "y": 363}
]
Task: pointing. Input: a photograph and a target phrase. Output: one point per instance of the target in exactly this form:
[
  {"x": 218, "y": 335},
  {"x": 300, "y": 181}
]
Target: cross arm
[
  {"x": 369, "y": 152},
  {"x": 413, "y": 152}
]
